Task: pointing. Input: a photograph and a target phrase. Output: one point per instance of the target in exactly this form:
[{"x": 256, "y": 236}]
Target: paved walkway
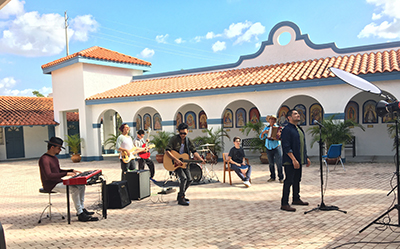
[{"x": 219, "y": 215}]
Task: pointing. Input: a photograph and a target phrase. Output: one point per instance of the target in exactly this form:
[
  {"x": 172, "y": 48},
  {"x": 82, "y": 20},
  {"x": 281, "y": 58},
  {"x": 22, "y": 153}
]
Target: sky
[{"x": 175, "y": 34}]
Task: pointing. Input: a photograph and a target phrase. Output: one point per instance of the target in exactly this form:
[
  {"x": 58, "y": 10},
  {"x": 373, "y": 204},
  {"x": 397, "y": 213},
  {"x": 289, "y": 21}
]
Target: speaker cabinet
[
  {"x": 118, "y": 195},
  {"x": 138, "y": 184}
]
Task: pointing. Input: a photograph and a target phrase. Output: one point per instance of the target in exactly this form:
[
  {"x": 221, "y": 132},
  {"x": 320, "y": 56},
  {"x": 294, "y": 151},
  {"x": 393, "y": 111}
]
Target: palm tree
[
  {"x": 335, "y": 131},
  {"x": 160, "y": 140}
]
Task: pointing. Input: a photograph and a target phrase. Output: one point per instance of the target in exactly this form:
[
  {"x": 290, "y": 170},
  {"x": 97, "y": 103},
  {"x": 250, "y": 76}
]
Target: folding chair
[{"x": 334, "y": 152}]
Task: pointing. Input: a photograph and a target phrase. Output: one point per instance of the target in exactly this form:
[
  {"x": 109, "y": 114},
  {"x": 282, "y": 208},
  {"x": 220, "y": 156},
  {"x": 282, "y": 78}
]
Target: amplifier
[
  {"x": 138, "y": 184},
  {"x": 118, "y": 195}
]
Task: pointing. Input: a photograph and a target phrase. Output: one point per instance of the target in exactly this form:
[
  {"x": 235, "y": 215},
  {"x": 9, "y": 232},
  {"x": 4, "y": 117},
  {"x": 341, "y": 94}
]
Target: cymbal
[
  {"x": 204, "y": 145},
  {"x": 202, "y": 150}
]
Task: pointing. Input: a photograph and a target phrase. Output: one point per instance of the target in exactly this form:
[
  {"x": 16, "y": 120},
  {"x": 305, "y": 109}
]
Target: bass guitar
[
  {"x": 127, "y": 157},
  {"x": 170, "y": 165}
]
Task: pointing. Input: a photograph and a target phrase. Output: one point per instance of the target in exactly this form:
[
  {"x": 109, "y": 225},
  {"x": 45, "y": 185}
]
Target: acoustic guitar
[{"x": 184, "y": 158}]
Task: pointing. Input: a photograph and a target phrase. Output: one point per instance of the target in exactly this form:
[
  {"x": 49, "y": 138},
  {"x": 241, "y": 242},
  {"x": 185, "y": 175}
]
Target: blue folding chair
[{"x": 334, "y": 152}]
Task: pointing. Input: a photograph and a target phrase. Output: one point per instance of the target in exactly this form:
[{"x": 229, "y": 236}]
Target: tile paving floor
[{"x": 219, "y": 215}]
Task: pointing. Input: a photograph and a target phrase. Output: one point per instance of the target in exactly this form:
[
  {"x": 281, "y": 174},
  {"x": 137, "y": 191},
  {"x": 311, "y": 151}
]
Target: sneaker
[
  {"x": 247, "y": 183},
  {"x": 271, "y": 180},
  {"x": 182, "y": 201}
]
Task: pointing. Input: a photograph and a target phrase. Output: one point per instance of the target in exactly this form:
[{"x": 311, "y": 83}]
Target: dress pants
[{"x": 293, "y": 178}]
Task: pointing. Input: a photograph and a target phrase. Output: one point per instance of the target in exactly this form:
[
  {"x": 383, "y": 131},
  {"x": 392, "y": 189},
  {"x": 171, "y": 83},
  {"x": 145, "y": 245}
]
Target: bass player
[
  {"x": 182, "y": 144},
  {"x": 144, "y": 157},
  {"x": 127, "y": 149}
]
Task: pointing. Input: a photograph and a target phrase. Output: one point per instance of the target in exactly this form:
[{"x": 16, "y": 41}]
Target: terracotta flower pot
[
  {"x": 264, "y": 158},
  {"x": 76, "y": 158},
  {"x": 160, "y": 158}
]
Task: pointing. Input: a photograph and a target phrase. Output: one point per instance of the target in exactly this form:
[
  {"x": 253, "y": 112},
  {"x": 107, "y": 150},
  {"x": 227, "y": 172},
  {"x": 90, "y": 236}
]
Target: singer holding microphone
[{"x": 294, "y": 157}]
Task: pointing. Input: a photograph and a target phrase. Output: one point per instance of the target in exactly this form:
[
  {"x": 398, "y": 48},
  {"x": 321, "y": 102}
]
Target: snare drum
[{"x": 196, "y": 171}]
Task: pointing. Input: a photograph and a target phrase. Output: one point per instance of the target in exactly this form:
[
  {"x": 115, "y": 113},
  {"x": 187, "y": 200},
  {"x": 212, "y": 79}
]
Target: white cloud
[
  {"x": 254, "y": 30},
  {"x": 32, "y": 34},
  {"x": 179, "y": 40},
  {"x": 162, "y": 38},
  {"x": 211, "y": 35},
  {"x": 236, "y": 29},
  {"x": 219, "y": 46},
  {"x": 83, "y": 25},
  {"x": 13, "y": 8},
  {"x": 389, "y": 28},
  {"x": 198, "y": 38},
  {"x": 8, "y": 84},
  {"x": 376, "y": 16},
  {"x": 147, "y": 53},
  {"x": 258, "y": 44}
]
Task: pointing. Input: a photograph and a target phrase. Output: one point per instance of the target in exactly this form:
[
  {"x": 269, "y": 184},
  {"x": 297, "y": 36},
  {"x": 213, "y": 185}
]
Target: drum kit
[{"x": 202, "y": 172}]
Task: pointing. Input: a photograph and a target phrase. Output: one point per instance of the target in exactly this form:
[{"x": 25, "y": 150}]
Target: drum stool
[{"x": 49, "y": 205}]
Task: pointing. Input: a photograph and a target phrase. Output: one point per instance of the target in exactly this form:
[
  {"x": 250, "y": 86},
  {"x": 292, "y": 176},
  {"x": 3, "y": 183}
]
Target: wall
[{"x": 34, "y": 138}]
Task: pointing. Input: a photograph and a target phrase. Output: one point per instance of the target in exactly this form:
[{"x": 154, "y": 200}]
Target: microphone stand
[
  {"x": 396, "y": 206},
  {"x": 322, "y": 206}
]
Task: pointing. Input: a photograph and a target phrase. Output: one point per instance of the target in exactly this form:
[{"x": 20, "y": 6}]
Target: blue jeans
[
  {"x": 239, "y": 172},
  {"x": 275, "y": 156}
]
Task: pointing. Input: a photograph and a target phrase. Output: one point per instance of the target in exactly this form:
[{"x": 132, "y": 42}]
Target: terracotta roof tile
[
  {"x": 26, "y": 111},
  {"x": 386, "y": 61},
  {"x": 100, "y": 54}
]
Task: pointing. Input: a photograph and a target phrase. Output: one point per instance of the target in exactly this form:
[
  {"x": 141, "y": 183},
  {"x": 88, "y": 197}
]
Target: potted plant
[
  {"x": 334, "y": 131},
  {"x": 112, "y": 140},
  {"x": 257, "y": 144},
  {"x": 214, "y": 138},
  {"x": 74, "y": 143},
  {"x": 160, "y": 141}
]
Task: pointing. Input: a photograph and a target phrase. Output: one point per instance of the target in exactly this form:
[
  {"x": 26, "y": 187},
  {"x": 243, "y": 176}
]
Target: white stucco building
[{"x": 98, "y": 83}]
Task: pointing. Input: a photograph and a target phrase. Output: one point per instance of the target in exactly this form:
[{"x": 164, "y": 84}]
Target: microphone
[{"x": 318, "y": 123}]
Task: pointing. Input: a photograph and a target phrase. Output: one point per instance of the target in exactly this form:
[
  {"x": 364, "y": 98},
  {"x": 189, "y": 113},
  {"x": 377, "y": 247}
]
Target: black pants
[
  {"x": 149, "y": 163},
  {"x": 293, "y": 178},
  {"x": 125, "y": 166},
  {"x": 185, "y": 179}
]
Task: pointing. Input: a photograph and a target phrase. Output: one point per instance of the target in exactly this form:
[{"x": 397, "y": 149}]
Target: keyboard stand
[{"x": 103, "y": 197}]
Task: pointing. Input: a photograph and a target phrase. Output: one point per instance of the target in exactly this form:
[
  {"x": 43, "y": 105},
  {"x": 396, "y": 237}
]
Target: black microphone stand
[
  {"x": 398, "y": 187},
  {"x": 322, "y": 206}
]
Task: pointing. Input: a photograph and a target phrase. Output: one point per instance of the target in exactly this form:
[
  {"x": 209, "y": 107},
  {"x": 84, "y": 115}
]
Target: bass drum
[{"x": 196, "y": 171}]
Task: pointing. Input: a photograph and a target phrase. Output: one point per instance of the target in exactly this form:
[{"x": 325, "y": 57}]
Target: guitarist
[
  {"x": 139, "y": 142},
  {"x": 125, "y": 144},
  {"x": 182, "y": 144}
]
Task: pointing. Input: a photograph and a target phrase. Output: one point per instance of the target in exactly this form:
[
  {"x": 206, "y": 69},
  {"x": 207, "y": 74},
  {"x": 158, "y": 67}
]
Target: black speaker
[
  {"x": 118, "y": 195},
  {"x": 138, "y": 184}
]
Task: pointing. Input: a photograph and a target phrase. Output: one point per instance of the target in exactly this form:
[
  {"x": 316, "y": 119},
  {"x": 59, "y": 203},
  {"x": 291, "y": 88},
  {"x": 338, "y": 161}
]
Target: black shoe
[
  {"x": 300, "y": 202},
  {"x": 182, "y": 201},
  {"x": 84, "y": 217},
  {"x": 186, "y": 199},
  {"x": 87, "y": 212},
  {"x": 288, "y": 208}
]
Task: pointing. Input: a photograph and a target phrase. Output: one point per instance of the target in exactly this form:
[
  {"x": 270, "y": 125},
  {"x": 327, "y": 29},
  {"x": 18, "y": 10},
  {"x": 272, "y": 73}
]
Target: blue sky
[{"x": 174, "y": 35}]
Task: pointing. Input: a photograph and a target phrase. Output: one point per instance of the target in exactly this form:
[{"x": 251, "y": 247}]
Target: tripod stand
[
  {"x": 398, "y": 187},
  {"x": 322, "y": 206}
]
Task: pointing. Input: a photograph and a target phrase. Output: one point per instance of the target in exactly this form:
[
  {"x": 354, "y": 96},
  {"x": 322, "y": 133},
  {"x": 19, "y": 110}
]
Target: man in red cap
[{"x": 51, "y": 174}]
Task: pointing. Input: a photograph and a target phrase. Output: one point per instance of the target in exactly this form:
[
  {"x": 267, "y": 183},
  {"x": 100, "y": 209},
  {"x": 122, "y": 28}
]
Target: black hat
[{"x": 56, "y": 141}]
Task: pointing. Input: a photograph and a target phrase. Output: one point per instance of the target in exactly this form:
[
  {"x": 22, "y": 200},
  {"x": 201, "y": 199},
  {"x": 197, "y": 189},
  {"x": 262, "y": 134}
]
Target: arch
[
  {"x": 144, "y": 118},
  {"x": 109, "y": 121}
]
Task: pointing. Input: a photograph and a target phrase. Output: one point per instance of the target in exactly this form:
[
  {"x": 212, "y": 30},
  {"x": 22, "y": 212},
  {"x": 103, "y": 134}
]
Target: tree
[{"x": 37, "y": 94}]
